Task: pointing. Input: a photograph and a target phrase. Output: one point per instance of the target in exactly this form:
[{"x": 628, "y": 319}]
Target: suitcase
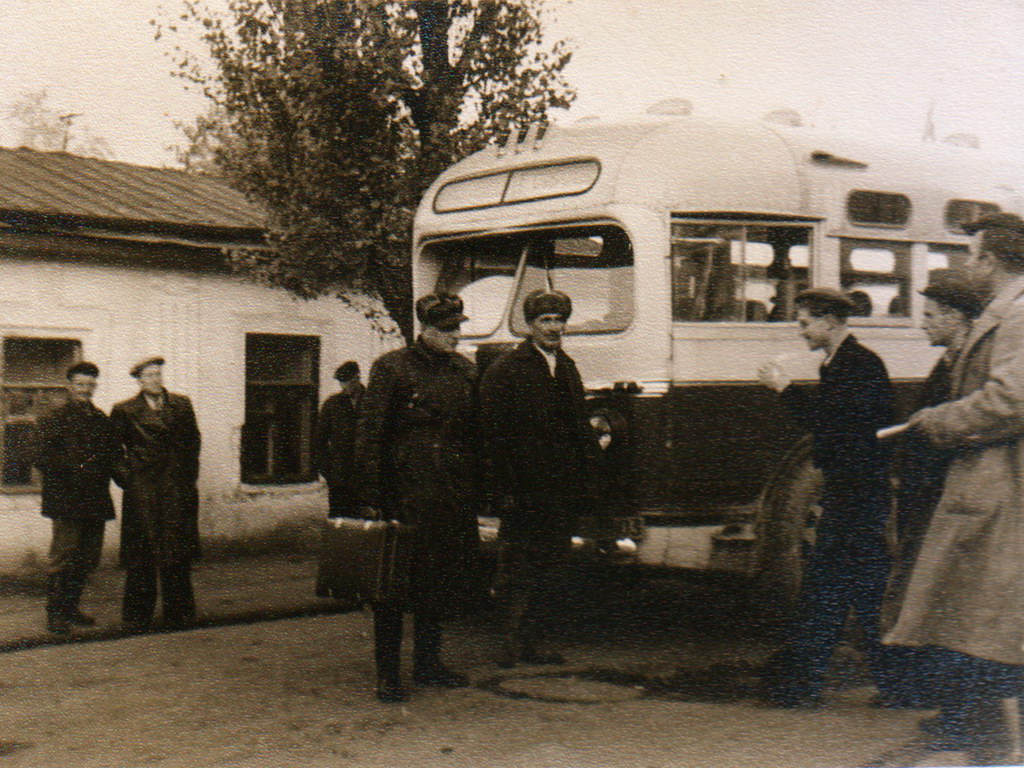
[{"x": 365, "y": 561}]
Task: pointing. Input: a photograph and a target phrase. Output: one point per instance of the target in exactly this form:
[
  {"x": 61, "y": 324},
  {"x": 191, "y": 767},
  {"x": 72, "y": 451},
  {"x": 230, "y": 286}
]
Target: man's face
[
  {"x": 82, "y": 386},
  {"x": 941, "y": 323},
  {"x": 441, "y": 339},
  {"x": 151, "y": 379},
  {"x": 816, "y": 331},
  {"x": 547, "y": 331}
]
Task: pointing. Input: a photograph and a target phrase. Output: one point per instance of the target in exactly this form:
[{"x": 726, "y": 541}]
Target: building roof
[{"x": 58, "y": 184}]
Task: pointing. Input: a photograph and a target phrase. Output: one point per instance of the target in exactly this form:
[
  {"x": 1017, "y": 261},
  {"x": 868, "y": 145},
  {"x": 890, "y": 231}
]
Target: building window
[
  {"x": 281, "y": 389},
  {"x": 876, "y": 274},
  {"x": 882, "y": 209},
  {"x": 33, "y": 384},
  {"x": 738, "y": 272}
]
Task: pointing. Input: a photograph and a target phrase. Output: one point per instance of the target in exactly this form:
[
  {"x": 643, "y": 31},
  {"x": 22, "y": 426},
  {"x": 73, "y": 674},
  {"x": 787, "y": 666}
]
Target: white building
[{"x": 110, "y": 262}]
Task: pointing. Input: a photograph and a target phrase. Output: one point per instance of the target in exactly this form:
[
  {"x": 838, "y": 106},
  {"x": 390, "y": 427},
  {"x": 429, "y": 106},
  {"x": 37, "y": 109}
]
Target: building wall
[{"x": 198, "y": 322}]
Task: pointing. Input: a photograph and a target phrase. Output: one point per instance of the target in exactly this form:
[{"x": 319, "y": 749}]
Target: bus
[{"x": 682, "y": 243}]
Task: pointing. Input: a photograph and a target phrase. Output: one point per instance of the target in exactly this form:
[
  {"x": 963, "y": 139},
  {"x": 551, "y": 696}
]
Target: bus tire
[{"x": 790, "y": 514}]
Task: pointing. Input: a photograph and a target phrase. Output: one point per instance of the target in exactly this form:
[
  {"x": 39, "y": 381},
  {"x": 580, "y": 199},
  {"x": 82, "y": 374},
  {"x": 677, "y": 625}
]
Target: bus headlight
[{"x": 602, "y": 427}]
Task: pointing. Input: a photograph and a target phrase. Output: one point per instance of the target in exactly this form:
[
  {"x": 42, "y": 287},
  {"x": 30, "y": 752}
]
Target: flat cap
[
  {"x": 145, "y": 363},
  {"x": 1008, "y": 221},
  {"x": 440, "y": 310},
  {"x": 84, "y": 367},
  {"x": 1003, "y": 235},
  {"x": 953, "y": 289},
  {"x": 347, "y": 371},
  {"x": 544, "y": 302},
  {"x": 827, "y": 300}
]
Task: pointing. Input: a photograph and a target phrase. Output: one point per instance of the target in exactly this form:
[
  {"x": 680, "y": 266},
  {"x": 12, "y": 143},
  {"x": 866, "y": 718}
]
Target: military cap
[
  {"x": 347, "y": 371},
  {"x": 826, "y": 301},
  {"x": 952, "y": 289},
  {"x": 142, "y": 364},
  {"x": 440, "y": 310},
  {"x": 1004, "y": 235},
  {"x": 545, "y": 302},
  {"x": 85, "y": 368}
]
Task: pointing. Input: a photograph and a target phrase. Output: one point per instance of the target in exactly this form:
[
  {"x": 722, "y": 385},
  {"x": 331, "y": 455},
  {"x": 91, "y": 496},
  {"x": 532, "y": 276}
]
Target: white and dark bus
[{"x": 683, "y": 243}]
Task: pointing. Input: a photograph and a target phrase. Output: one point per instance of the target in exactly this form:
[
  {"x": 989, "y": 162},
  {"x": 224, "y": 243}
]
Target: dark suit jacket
[
  {"x": 334, "y": 445},
  {"x": 853, "y": 400},
  {"x": 78, "y": 453},
  {"x": 539, "y": 442}
]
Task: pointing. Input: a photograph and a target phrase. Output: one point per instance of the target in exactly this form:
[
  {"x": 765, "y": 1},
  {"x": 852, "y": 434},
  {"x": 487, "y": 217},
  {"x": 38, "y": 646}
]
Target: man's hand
[{"x": 772, "y": 376}]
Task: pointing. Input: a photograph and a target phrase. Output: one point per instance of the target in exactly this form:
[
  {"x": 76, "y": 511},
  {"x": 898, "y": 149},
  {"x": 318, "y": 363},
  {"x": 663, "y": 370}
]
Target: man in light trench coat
[{"x": 966, "y": 593}]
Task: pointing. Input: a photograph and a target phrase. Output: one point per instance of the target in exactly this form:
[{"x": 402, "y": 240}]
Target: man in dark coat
[
  {"x": 78, "y": 455},
  {"x": 335, "y": 441},
  {"x": 159, "y": 513},
  {"x": 849, "y": 564},
  {"x": 416, "y": 447},
  {"x": 541, "y": 450}
]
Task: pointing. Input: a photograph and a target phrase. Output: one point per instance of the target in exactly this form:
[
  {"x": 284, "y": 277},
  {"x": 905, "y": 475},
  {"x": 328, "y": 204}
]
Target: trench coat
[
  {"x": 541, "y": 450},
  {"x": 160, "y": 508},
  {"x": 415, "y": 446},
  {"x": 966, "y": 591},
  {"x": 78, "y": 452},
  {"x": 334, "y": 450}
]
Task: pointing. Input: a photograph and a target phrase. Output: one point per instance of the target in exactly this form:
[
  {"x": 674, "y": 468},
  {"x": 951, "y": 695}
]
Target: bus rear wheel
[{"x": 786, "y": 536}]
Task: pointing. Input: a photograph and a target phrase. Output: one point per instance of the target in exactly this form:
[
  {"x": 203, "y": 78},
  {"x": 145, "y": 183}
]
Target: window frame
[{"x": 879, "y": 224}]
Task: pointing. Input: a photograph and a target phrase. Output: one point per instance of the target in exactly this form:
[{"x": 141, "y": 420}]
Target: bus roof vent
[
  {"x": 788, "y": 117},
  {"x": 963, "y": 140},
  {"x": 820, "y": 157},
  {"x": 518, "y": 139},
  {"x": 671, "y": 107}
]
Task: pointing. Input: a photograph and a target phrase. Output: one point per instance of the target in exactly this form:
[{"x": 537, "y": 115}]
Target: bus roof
[{"x": 689, "y": 165}]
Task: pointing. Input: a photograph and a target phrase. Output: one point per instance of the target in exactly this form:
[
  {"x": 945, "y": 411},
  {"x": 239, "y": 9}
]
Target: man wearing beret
[
  {"x": 78, "y": 454},
  {"x": 849, "y": 563},
  {"x": 541, "y": 449},
  {"x": 966, "y": 593},
  {"x": 416, "y": 446},
  {"x": 334, "y": 444},
  {"x": 160, "y": 509}
]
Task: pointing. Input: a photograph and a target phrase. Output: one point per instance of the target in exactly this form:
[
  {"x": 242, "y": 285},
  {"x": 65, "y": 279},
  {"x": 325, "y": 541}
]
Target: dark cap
[
  {"x": 347, "y": 371},
  {"x": 826, "y": 301},
  {"x": 84, "y": 368},
  {"x": 142, "y": 364},
  {"x": 952, "y": 289},
  {"x": 440, "y": 310},
  {"x": 1003, "y": 235},
  {"x": 544, "y": 302}
]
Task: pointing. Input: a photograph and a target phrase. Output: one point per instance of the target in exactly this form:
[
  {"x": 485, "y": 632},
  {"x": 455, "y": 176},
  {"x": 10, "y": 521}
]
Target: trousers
[{"x": 140, "y": 592}]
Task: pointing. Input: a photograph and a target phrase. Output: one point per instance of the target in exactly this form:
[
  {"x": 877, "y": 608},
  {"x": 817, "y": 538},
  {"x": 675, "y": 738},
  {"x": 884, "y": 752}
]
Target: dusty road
[{"x": 653, "y": 682}]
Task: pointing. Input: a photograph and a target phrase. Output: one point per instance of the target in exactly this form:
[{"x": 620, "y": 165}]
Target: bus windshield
[{"x": 593, "y": 265}]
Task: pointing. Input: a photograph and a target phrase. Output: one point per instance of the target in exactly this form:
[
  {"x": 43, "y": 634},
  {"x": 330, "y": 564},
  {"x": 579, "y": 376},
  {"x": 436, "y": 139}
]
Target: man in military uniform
[
  {"x": 416, "y": 447},
  {"x": 78, "y": 455},
  {"x": 334, "y": 445},
  {"x": 849, "y": 564},
  {"x": 541, "y": 451}
]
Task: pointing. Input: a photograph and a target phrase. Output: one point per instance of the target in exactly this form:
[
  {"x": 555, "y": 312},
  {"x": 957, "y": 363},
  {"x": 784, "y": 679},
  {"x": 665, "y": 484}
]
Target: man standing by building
[
  {"x": 159, "y": 513},
  {"x": 416, "y": 445},
  {"x": 966, "y": 592},
  {"x": 335, "y": 441},
  {"x": 78, "y": 455},
  {"x": 849, "y": 563},
  {"x": 540, "y": 448}
]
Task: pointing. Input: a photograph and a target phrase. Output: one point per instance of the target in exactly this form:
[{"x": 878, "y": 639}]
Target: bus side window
[
  {"x": 876, "y": 274},
  {"x": 737, "y": 272}
]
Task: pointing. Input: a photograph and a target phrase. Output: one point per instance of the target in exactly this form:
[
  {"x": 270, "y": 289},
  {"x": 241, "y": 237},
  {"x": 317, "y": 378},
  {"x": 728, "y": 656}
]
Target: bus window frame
[{"x": 881, "y": 321}]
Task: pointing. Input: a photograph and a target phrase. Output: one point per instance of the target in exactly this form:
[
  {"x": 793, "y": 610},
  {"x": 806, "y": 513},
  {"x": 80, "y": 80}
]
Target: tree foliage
[
  {"x": 49, "y": 129},
  {"x": 337, "y": 114}
]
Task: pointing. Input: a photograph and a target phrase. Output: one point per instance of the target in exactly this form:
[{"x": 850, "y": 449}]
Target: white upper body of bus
[{"x": 682, "y": 241}]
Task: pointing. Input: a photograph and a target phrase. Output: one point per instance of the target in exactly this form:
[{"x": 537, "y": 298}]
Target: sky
[{"x": 865, "y": 66}]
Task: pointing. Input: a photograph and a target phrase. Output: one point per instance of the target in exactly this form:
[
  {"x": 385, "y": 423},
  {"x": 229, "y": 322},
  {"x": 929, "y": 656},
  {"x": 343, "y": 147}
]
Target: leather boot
[
  {"x": 387, "y": 645},
  {"x": 56, "y": 601},
  {"x": 75, "y": 587},
  {"x": 427, "y": 666}
]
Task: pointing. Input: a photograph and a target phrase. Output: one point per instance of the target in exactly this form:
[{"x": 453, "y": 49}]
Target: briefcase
[{"x": 365, "y": 561}]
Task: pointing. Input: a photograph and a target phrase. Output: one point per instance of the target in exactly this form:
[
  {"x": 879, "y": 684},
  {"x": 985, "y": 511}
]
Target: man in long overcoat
[
  {"x": 334, "y": 445},
  {"x": 541, "y": 453},
  {"x": 849, "y": 563},
  {"x": 416, "y": 447},
  {"x": 159, "y": 513},
  {"x": 966, "y": 593},
  {"x": 78, "y": 454}
]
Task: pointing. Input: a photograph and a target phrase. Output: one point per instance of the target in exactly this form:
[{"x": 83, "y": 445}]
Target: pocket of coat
[{"x": 980, "y": 483}]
